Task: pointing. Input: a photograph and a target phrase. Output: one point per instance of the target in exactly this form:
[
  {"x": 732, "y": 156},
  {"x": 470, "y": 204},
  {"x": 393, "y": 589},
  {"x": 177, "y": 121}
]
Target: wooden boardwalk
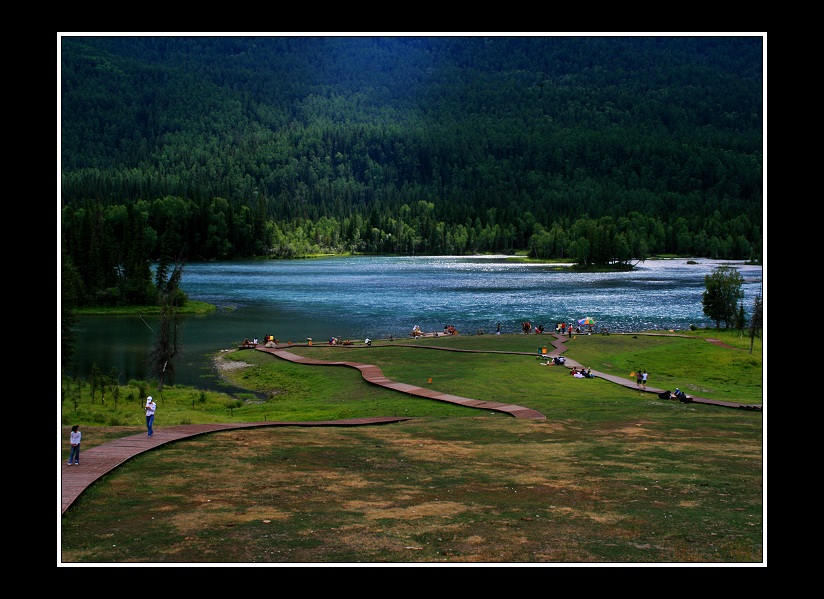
[
  {"x": 374, "y": 375},
  {"x": 98, "y": 461}
]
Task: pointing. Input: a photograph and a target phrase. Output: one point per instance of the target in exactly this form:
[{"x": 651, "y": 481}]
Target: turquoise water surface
[{"x": 379, "y": 297}]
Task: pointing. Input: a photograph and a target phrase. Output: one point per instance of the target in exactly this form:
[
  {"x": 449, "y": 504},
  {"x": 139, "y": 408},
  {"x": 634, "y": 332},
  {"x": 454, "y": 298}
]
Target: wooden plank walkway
[
  {"x": 374, "y": 375},
  {"x": 98, "y": 461}
]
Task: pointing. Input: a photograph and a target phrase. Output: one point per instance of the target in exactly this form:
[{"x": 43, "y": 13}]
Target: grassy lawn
[{"x": 611, "y": 476}]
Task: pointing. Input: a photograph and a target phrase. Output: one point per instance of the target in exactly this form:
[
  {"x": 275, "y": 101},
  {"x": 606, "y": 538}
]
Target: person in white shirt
[
  {"x": 74, "y": 439},
  {"x": 151, "y": 406}
]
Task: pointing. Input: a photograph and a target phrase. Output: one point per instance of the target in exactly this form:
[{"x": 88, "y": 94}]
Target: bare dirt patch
[{"x": 224, "y": 364}]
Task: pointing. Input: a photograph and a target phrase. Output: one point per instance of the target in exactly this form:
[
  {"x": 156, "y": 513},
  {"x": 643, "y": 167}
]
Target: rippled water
[{"x": 378, "y": 297}]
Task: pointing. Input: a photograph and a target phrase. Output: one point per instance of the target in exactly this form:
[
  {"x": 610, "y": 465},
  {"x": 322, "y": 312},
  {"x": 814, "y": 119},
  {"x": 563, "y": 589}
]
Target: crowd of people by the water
[
  {"x": 561, "y": 328},
  {"x": 528, "y": 327}
]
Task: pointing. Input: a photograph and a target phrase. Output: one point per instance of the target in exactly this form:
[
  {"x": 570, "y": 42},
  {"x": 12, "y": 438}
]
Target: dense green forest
[{"x": 596, "y": 149}]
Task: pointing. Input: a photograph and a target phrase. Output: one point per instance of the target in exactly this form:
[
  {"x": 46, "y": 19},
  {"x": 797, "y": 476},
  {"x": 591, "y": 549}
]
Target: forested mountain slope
[{"x": 597, "y": 148}]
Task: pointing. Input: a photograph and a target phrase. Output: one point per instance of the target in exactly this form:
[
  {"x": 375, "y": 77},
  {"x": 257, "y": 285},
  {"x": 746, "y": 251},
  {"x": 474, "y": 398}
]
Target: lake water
[{"x": 379, "y": 297}]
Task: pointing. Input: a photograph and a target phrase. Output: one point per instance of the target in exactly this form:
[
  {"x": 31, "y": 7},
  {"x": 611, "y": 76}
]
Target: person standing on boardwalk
[
  {"x": 638, "y": 377},
  {"x": 644, "y": 379},
  {"x": 74, "y": 440},
  {"x": 151, "y": 406}
]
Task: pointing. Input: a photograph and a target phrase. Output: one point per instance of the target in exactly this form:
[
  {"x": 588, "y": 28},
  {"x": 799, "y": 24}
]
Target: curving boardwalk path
[
  {"x": 374, "y": 375},
  {"x": 102, "y": 459},
  {"x": 559, "y": 348},
  {"x": 97, "y": 461}
]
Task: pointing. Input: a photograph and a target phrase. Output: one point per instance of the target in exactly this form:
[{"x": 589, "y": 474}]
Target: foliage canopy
[{"x": 596, "y": 149}]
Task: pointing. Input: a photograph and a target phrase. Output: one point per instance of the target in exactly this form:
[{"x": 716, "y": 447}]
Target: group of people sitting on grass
[
  {"x": 678, "y": 394},
  {"x": 553, "y": 361},
  {"x": 448, "y": 329},
  {"x": 582, "y": 374},
  {"x": 561, "y": 328},
  {"x": 526, "y": 326}
]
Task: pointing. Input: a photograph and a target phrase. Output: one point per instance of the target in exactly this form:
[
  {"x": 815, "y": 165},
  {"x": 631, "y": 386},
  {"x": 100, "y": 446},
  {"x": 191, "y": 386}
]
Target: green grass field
[{"x": 612, "y": 475}]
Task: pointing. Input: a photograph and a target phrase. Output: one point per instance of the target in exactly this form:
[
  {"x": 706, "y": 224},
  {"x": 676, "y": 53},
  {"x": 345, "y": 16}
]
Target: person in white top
[
  {"x": 74, "y": 439},
  {"x": 151, "y": 406}
]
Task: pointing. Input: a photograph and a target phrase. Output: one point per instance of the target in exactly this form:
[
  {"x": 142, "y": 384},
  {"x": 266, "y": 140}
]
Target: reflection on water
[{"x": 378, "y": 297}]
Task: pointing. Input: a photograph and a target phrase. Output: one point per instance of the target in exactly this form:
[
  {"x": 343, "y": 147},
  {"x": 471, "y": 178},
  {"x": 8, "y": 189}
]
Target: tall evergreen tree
[{"x": 138, "y": 273}]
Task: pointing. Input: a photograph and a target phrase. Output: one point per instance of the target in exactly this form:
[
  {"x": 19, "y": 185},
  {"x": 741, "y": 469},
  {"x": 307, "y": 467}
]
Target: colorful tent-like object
[{"x": 586, "y": 321}]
